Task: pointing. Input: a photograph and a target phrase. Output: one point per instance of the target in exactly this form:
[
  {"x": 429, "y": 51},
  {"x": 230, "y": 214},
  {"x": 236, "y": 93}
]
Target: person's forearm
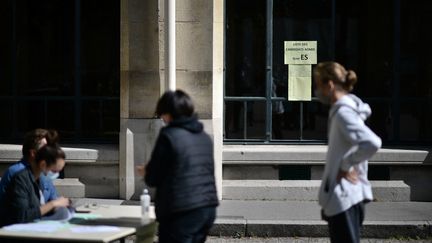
[
  {"x": 44, "y": 209},
  {"x": 363, "y": 151}
]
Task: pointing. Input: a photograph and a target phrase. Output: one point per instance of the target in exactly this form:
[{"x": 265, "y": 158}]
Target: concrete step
[
  {"x": 70, "y": 188},
  {"x": 303, "y": 190},
  {"x": 225, "y": 239},
  {"x": 316, "y": 154},
  {"x": 303, "y": 219}
]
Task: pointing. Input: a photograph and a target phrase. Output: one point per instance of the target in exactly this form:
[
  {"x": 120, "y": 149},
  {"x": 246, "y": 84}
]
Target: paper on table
[
  {"x": 86, "y": 216},
  {"x": 41, "y": 227},
  {"x": 93, "y": 229}
]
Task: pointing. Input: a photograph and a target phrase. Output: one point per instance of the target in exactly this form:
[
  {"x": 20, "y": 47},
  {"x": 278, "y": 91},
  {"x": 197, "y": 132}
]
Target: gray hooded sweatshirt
[{"x": 350, "y": 144}]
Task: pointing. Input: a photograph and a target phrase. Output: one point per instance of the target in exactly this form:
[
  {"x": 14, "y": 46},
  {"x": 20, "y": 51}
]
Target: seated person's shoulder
[
  {"x": 17, "y": 167},
  {"x": 22, "y": 176}
]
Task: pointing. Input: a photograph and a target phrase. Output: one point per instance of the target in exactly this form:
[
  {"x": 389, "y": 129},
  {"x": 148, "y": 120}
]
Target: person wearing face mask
[
  {"x": 345, "y": 186},
  {"x": 33, "y": 141},
  {"x": 181, "y": 168},
  {"x": 24, "y": 201}
]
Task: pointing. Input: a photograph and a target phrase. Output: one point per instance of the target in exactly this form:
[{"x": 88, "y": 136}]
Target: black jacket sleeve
[
  {"x": 22, "y": 207},
  {"x": 156, "y": 169}
]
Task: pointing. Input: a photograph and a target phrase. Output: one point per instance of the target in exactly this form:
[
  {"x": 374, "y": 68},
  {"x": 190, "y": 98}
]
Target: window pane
[
  {"x": 6, "y": 48},
  {"x": 44, "y": 47},
  {"x": 245, "y": 48},
  {"x": 61, "y": 116},
  {"x": 111, "y": 120},
  {"x": 300, "y": 20},
  {"x": 6, "y": 122},
  {"x": 30, "y": 115},
  {"x": 415, "y": 121},
  {"x": 364, "y": 43},
  {"x": 416, "y": 64},
  {"x": 285, "y": 120},
  {"x": 252, "y": 113},
  {"x": 100, "y": 47},
  {"x": 315, "y": 117},
  {"x": 91, "y": 116},
  {"x": 381, "y": 121},
  {"x": 100, "y": 119}
]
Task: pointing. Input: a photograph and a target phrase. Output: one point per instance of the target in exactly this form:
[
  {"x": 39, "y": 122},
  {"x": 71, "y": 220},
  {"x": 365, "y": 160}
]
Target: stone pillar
[
  {"x": 199, "y": 38},
  {"x": 140, "y": 89},
  {"x": 217, "y": 84},
  {"x": 199, "y": 51}
]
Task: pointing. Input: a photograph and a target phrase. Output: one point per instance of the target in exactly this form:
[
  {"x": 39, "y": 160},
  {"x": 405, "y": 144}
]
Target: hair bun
[{"x": 350, "y": 80}]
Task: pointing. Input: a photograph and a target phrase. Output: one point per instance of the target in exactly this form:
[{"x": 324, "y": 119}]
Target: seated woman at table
[{"x": 24, "y": 200}]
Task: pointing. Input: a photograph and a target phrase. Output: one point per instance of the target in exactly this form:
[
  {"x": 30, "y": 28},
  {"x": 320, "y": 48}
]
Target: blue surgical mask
[{"x": 52, "y": 176}]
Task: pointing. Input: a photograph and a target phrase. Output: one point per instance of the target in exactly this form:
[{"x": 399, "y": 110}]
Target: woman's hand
[
  {"x": 351, "y": 176},
  {"x": 61, "y": 202},
  {"x": 141, "y": 170}
]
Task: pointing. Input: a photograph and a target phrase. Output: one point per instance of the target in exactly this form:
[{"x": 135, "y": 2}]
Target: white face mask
[
  {"x": 52, "y": 176},
  {"x": 164, "y": 124}
]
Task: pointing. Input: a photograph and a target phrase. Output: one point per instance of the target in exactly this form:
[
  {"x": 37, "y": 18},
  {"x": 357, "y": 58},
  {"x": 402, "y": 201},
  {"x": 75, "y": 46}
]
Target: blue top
[{"x": 45, "y": 183}]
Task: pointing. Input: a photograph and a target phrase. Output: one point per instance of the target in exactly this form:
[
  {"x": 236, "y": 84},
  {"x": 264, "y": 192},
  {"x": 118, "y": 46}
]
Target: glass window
[
  {"x": 385, "y": 43},
  {"x": 57, "y": 58},
  {"x": 365, "y": 43},
  {"x": 44, "y": 48},
  {"x": 6, "y": 48},
  {"x": 245, "y": 120},
  {"x": 245, "y": 53},
  {"x": 60, "y": 115},
  {"x": 100, "y": 32},
  {"x": 416, "y": 51},
  {"x": 415, "y": 121}
]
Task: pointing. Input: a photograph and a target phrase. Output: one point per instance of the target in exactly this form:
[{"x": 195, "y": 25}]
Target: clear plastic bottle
[{"x": 145, "y": 207}]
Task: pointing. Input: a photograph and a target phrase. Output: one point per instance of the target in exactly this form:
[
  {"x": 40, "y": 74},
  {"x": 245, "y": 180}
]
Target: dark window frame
[
  {"x": 77, "y": 99},
  {"x": 394, "y": 101}
]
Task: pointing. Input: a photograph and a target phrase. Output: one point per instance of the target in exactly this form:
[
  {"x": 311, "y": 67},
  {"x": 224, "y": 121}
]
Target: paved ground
[
  {"x": 294, "y": 240},
  {"x": 302, "y": 219},
  {"x": 265, "y": 221},
  {"x": 293, "y": 211},
  {"x": 304, "y": 240}
]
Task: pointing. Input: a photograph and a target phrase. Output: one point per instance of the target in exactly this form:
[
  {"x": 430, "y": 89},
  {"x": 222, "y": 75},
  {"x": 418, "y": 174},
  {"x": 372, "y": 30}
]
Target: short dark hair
[
  {"x": 176, "y": 103},
  {"x": 33, "y": 138},
  {"x": 50, "y": 153}
]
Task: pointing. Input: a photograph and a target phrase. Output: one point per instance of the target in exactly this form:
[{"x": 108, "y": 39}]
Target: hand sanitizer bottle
[{"x": 145, "y": 207}]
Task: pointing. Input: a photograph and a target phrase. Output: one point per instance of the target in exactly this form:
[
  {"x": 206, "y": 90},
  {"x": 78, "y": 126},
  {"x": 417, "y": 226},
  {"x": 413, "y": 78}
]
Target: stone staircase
[
  {"x": 90, "y": 171},
  {"x": 272, "y": 191},
  {"x": 293, "y": 173},
  {"x": 304, "y": 190},
  {"x": 70, "y": 188}
]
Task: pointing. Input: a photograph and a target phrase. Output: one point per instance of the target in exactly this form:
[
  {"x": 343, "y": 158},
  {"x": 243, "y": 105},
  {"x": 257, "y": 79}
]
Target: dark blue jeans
[
  {"x": 187, "y": 227},
  {"x": 345, "y": 227}
]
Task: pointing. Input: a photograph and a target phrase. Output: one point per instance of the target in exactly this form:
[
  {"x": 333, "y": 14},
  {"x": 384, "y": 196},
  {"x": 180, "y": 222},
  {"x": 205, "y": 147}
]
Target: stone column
[
  {"x": 199, "y": 49},
  {"x": 199, "y": 38},
  {"x": 140, "y": 89},
  {"x": 218, "y": 81}
]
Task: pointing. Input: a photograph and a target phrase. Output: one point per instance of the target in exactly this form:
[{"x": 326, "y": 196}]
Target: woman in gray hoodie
[{"x": 345, "y": 186}]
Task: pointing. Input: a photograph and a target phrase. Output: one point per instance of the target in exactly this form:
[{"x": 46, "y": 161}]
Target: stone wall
[{"x": 142, "y": 77}]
